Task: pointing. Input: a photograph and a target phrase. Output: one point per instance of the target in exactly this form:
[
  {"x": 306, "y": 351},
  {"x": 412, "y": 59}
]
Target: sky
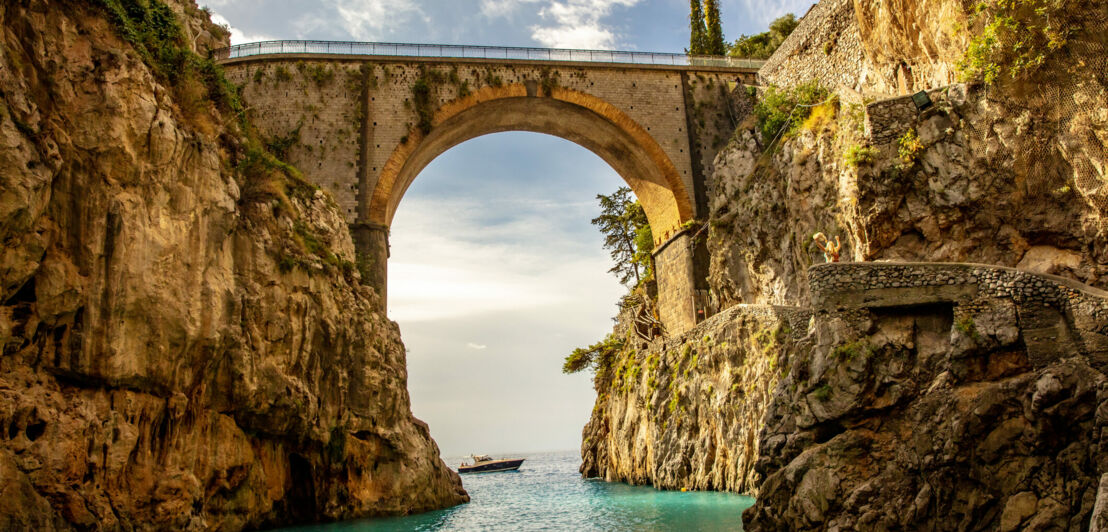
[{"x": 496, "y": 273}]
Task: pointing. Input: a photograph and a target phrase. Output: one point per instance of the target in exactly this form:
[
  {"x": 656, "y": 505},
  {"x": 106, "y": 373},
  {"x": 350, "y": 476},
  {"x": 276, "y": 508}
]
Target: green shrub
[
  {"x": 286, "y": 263},
  {"x": 152, "y": 29},
  {"x": 849, "y": 351},
  {"x": 319, "y": 74},
  {"x": 282, "y": 73},
  {"x": 782, "y": 111},
  {"x": 909, "y": 147},
  {"x": 762, "y": 45},
  {"x": 644, "y": 244},
  {"x": 421, "y": 91},
  {"x": 1017, "y": 37},
  {"x": 823, "y": 393},
  {"x": 857, "y": 115},
  {"x": 279, "y": 146},
  {"x": 966, "y": 326},
  {"x": 549, "y": 82},
  {"x": 673, "y": 402},
  {"x": 860, "y": 155},
  {"x": 263, "y": 176}
]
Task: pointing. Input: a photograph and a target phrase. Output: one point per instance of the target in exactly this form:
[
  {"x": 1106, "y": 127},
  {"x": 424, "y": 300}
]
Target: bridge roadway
[
  {"x": 485, "y": 53},
  {"x": 365, "y": 118}
]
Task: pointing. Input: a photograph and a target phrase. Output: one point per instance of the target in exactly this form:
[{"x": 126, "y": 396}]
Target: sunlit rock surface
[
  {"x": 687, "y": 413},
  {"x": 174, "y": 355},
  {"x": 953, "y": 408}
]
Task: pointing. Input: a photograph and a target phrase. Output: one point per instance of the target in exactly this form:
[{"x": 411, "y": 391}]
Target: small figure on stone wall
[{"x": 830, "y": 249}]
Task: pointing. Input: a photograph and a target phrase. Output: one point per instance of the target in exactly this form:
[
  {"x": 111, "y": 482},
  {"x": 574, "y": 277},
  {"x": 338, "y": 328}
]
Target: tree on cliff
[
  {"x": 598, "y": 356},
  {"x": 698, "y": 32},
  {"x": 713, "y": 37},
  {"x": 762, "y": 45},
  {"x": 626, "y": 234}
]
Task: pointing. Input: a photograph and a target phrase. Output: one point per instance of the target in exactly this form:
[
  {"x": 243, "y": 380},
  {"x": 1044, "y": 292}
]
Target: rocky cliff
[
  {"x": 685, "y": 413},
  {"x": 962, "y": 410},
  {"x": 186, "y": 343},
  {"x": 981, "y": 182},
  {"x": 939, "y": 397}
]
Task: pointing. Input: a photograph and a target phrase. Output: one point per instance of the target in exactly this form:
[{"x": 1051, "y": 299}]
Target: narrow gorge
[
  {"x": 193, "y": 331},
  {"x": 949, "y": 372}
]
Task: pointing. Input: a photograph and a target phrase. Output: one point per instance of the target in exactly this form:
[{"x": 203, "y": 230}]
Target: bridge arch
[
  {"x": 584, "y": 119},
  {"x": 569, "y": 114}
]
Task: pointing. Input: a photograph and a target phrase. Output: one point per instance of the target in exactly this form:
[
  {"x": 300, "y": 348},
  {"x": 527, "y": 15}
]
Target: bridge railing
[{"x": 479, "y": 52}]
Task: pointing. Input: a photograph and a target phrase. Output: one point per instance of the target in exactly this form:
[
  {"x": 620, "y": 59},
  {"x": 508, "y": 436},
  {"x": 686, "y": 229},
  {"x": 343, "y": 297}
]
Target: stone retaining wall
[
  {"x": 825, "y": 46},
  {"x": 864, "y": 48},
  {"x": 1055, "y": 315},
  {"x": 829, "y": 282},
  {"x": 886, "y": 120}
]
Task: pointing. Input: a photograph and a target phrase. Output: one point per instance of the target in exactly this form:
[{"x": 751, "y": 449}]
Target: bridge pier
[
  {"x": 371, "y": 243},
  {"x": 675, "y": 270}
]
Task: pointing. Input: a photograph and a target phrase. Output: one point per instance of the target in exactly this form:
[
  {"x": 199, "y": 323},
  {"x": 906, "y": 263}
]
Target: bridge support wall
[
  {"x": 371, "y": 243},
  {"x": 675, "y": 273}
]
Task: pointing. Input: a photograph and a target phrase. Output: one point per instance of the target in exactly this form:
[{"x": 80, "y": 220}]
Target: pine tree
[
  {"x": 713, "y": 35},
  {"x": 697, "y": 35},
  {"x": 620, "y": 220}
]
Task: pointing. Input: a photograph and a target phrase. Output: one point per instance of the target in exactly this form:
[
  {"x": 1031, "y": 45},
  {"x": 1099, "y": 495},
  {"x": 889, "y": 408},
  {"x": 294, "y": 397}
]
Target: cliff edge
[
  {"x": 901, "y": 398},
  {"x": 186, "y": 343}
]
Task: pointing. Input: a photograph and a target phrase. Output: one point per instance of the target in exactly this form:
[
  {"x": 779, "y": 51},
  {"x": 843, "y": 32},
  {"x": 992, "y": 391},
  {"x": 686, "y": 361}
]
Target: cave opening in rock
[
  {"x": 300, "y": 500},
  {"x": 35, "y": 430}
]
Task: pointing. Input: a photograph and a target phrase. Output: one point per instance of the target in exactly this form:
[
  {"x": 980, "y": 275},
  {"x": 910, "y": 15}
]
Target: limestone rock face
[
  {"x": 988, "y": 184},
  {"x": 175, "y": 354},
  {"x": 951, "y": 409},
  {"x": 1011, "y": 174},
  {"x": 931, "y": 418},
  {"x": 687, "y": 413},
  {"x": 911, "y": 44}
]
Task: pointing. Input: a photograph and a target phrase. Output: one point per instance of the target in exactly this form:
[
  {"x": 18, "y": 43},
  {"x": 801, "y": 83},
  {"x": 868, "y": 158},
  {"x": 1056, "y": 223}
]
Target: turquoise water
[{"x": 547, "y": 493}]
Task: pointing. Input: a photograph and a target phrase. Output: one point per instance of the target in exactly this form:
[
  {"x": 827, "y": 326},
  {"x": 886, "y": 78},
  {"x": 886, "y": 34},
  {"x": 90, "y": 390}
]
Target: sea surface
[{"x": 548, "y": 493}]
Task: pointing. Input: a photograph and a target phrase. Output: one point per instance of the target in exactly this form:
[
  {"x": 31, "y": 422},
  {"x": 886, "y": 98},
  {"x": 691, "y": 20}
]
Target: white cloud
[
  {"x": 368, "y": 20},
  {"x": 478, "y": 267},
  {"x": 478, "y": 347},
  {"x": 502, "y": 8},
  {"x": 578, "y": 24},
  {"x": 237, "y": 35}
]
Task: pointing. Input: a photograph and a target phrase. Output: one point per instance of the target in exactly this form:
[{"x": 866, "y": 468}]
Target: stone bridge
[{"x": 362, "y": 120}]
